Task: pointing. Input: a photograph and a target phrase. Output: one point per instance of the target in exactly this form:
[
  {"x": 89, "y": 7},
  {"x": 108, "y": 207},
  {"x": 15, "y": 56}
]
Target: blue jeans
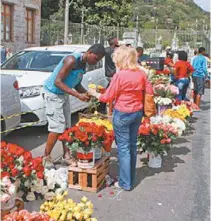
[
  {"x": 182, "y": 84},
  {"x": 126, "y": 127}
]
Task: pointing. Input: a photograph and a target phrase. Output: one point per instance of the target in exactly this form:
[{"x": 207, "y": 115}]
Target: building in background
[{"x": 20, "y": 23}]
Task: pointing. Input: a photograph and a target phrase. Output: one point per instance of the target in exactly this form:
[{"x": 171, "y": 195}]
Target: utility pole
[
  {"x": 82, "y": 26},
  {"x": 66, "y": 22}
]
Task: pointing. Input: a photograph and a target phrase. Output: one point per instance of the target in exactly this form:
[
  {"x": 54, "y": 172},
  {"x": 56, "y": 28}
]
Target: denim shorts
[
  {"x": 199, "y": 85},
  {"x": 57, "y": 112}
]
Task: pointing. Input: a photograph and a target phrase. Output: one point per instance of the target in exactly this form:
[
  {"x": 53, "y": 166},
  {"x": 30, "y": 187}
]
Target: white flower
[
  {"x": 12, "y": 189},
  {"x": 27, "y": 183},
  {"x": 30, "y": 196},
  {"x": 49, "y": 196},
  {"x": 36, "y": 188},
  {"x": 59, "y": 191},
  {"x": 51, "y": 184},
  {"x": 44, "y": 190},
  {"x": 63, "y": 186}
]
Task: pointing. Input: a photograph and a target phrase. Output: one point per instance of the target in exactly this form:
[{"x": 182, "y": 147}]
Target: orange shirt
[
  {"x": 126, "y": 90},
  {"x": 183, "y": 68}
]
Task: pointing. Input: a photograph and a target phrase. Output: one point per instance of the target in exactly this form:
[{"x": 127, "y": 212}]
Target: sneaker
[
  {"x": 116, "y": 184},
  {"x": 48, "y": 162}
]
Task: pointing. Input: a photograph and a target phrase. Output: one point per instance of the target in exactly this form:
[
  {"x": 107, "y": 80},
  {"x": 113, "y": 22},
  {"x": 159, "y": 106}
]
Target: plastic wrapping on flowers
[{"x": 61, "y": 208}]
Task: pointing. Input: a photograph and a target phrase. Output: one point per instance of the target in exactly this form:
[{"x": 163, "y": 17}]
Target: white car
[
  {"x": 34, "y": 65},
  {"x": 10, "y": 103}
]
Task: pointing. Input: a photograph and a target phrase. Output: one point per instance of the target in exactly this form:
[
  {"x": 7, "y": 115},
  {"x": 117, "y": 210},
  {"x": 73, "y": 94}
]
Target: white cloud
[{"x": 205, "y": 4}]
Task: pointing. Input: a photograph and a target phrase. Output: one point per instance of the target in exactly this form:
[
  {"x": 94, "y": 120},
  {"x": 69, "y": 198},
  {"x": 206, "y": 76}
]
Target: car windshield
[{"x": 35, "y": 60}]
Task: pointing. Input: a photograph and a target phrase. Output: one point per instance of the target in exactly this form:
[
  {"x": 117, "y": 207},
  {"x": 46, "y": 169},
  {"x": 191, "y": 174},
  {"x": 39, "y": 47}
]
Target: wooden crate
[{"x": 89, "y": 179}]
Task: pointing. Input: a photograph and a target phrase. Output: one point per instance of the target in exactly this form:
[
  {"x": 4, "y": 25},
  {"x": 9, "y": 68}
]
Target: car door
[{"x": 10, "y": 101}]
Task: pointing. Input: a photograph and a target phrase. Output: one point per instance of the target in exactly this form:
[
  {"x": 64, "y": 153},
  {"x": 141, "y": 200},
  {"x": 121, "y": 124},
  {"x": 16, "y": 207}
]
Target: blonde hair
[{"x": 126, "y": 58}]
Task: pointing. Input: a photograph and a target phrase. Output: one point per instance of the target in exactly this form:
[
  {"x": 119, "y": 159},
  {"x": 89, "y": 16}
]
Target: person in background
[
  {"x": 110, "y": 68},
  {"x": 141, "y": 55},
  {"x": 8, "y": 53},
  {"x": 183, "y": 70},
  {"x": 127, "y": 92},
  {"x": 169, "y": 59},
  {"x": 3, "y": 54},
  {"x": 66, "y": 77},
  {"x": 195, "y": 54},
  {"x": 199, "y": 75}
]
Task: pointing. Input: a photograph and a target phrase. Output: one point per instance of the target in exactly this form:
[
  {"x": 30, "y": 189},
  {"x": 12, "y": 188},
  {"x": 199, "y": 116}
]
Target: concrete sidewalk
[{"x": 179, "y": 191}]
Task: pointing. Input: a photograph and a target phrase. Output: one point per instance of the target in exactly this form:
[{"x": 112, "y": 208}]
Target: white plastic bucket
[{"x": 155, "y": 161}]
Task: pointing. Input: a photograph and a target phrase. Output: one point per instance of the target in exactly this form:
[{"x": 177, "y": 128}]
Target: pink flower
[{"x": 5, "y": 197}]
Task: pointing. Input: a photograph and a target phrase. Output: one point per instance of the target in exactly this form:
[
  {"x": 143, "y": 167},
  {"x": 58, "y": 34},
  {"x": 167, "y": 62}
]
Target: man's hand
[{"x": 83, "y": 97}]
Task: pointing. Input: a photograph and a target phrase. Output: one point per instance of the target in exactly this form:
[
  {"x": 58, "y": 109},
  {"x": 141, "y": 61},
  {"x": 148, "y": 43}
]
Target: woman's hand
[{"x": 93, "y": 93}]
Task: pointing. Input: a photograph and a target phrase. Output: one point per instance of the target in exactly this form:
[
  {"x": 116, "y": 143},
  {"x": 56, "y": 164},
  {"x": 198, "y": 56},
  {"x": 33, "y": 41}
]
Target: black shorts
[{"x": 199, "y": 85}]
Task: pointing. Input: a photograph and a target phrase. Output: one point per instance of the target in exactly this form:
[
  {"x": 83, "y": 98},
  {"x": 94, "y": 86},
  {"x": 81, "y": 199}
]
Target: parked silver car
[{"x": 10, "y": 102}]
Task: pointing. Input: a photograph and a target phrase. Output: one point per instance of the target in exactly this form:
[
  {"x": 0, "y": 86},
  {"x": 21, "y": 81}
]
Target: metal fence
[{"x": 52, "y": 33}]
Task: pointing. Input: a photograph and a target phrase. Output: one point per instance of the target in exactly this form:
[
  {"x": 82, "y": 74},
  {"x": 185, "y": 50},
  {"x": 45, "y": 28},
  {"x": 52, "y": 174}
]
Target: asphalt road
[{"x": 179, "y": 191}]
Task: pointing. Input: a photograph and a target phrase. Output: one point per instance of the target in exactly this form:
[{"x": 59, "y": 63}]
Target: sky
[{"x": 205, "y": 4}]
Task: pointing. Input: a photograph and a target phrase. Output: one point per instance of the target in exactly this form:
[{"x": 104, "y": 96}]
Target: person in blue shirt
[
  {"x": 64, "y": 81},
  {"x": 199, "y": 75}
]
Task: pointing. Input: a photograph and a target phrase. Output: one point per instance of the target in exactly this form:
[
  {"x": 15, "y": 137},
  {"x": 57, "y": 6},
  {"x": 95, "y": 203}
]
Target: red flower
[
  {"x": 163, "y": 141},
  {"x": 27, "y": 170},
  {"x": 155, "y": 131},
  {"x": 143, "y": 130},
  {"x": 27, "y": 156},
  {"x": 94, "y": 139},
  {"x": 4, "y": 174},
  {"x": 40, "y": 175},
  {"x": 11, "y": 166},
  {"x": 87, "y": 143},
  {"x": 168, "y": 140},
  {"x": 9, "y": 159},
  {"x": 19, "y": 151},
  {"x": 14, "y": 172},
  {"x": 3, "y": 144}
]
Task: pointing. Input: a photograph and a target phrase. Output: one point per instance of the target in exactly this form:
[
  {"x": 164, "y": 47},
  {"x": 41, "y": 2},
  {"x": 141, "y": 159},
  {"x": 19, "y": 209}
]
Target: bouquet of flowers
[
  {"x": 19, "y": 166},
  {"x": 27, "y": 173},
  {"x": 159, "y": 79},
  {"x": 8, "y": 189},
  {"x": 26, "y": 215},
  {"x": 163, "y": 100},
  {"x": 180, "y": 112},
  {"x": 94, "y": 102},
  {"x": 178, "y": 124},
  {"x": 166, "y": 91},
  {"x": 156, "y": 138},
  {"x": 190, "y": 105},
  {"x": 61, "y": 208},
  {"x": 87, "y": 135}
]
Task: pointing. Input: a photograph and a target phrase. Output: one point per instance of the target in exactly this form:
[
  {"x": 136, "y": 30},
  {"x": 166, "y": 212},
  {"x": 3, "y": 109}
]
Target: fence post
[
  {"x": 66, "y": 23},
  {"x": 82, "y": 26}
]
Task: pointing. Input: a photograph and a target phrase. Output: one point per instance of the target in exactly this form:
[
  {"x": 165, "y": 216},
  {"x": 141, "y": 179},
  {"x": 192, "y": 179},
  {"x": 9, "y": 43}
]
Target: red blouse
[
  {"x": 126, "y": 90},
  {"x": 183, "y": 68}
]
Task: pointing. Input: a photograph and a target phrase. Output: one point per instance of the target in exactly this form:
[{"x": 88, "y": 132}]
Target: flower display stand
[
  {"x": 89, "y": 179},
  {"x": 18, "y": 205}
]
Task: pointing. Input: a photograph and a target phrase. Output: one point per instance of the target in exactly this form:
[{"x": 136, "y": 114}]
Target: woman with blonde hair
[{"x": 126, "y": 91}]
